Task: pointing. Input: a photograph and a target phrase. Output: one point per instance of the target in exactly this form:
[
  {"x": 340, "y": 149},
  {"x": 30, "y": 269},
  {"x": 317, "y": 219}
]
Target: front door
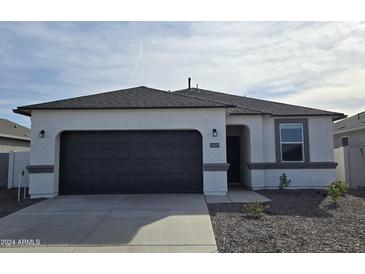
[{"x": 233, "y": 158}]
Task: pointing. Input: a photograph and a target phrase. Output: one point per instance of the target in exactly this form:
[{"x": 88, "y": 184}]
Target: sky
[{"x": 314, "y": 64}]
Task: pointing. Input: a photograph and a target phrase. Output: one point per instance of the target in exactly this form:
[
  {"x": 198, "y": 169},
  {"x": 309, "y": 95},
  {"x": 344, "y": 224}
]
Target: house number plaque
[{"x": 214, "y": 145}]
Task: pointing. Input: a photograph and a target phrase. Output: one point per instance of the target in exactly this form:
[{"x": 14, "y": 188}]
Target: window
[
  {"x": 291, "y": 142},
  {"x": 345, "y": 141}
]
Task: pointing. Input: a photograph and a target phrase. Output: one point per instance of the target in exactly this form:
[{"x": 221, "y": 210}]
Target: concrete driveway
[{"x": 111, "y": 223}]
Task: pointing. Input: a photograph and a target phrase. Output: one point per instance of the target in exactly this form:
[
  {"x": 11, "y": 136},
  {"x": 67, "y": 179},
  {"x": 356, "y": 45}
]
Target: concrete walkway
[
  {"x": 112, "y": 223},
  {"x": 237, "y": 195}
]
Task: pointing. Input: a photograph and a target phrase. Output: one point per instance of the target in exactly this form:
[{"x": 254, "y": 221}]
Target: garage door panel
[
  {"x": 105, "y": 168},
  {"x": 156, "y": 154},
  {"x": 122, "y": 150},
  {"x": 176, "y": 169},
  {"x": 130, "y": 162},
  {"x": 77, "y": 169}
]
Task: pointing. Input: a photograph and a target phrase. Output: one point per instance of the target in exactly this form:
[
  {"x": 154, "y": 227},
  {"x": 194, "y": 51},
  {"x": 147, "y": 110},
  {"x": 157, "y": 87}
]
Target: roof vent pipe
[{"x": 189, "y": 83}]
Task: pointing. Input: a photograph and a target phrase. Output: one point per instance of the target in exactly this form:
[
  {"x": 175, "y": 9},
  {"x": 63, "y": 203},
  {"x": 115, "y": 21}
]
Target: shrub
[
  {"x": 284, "y": 181},
  {"x": 337, "y": 189},
  {"x": 255, "y": 210}
]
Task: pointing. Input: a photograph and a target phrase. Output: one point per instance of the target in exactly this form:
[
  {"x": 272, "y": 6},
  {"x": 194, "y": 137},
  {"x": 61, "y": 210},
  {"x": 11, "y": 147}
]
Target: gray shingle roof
[
  {"x": 132, "y": 98},
  {"x": 249, "y": 106},
  {"x": 9, "y": 129},
  {"x": 350, "y": 123},
  {"x": 144, "y": 97}
]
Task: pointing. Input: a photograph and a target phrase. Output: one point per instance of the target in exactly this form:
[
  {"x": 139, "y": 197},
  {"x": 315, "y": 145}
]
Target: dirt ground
[
  {"x": 296, "y": 221},
  {"x": 9, "y": 201}
]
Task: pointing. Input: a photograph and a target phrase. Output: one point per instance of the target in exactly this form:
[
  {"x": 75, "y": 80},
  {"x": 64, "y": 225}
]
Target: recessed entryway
[
  {"x": 238, "y": 155},
  {"x": 234, "y": 159}
]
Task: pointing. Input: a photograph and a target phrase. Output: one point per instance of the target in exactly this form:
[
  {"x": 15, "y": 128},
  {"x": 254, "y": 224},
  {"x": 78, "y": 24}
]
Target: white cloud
[{"x": 318, "y": 64}]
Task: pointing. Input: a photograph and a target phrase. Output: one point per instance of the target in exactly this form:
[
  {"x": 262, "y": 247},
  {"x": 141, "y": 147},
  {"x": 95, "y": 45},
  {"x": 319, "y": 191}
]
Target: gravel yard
[
  {"x": 9, "y": 203},
  {"x": 296, "y": 221}
]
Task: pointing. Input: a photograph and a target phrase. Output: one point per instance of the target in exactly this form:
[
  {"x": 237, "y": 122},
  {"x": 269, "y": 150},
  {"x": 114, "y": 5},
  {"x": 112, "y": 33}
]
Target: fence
[
  {"x": 4, "y": 166},
  {"x": 351, "y": 165},
  {"x": 17, "y": 164}
]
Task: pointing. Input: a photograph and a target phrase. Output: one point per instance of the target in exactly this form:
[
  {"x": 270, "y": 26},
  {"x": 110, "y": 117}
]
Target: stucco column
[
  {"x": 257, "y": 152},
  {"x": 41, "y": 180}
]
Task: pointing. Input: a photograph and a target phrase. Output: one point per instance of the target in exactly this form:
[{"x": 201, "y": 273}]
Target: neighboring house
[
  {"x": 144, "y": 140},
  {"x": 349, "y": 143},
  {"x": 350, "y": 131},
  {"x": 13, "y": 137}
]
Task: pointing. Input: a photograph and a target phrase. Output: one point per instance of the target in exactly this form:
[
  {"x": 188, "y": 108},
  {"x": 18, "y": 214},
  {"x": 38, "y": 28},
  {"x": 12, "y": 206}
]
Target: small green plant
[
  {"x": 336, "y": 190},
  {"x": 284, "y": 181},
  {"x": 255, "y": 210}
]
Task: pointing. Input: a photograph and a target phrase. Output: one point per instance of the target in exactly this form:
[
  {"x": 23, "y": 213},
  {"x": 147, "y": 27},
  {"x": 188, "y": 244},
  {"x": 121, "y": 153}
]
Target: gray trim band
[
  {"x": 216, "y": 167},
  {"x": 305, "y": 134},
  {"x": 312, "y": 165},
  {"x": 40, "y": 169}
]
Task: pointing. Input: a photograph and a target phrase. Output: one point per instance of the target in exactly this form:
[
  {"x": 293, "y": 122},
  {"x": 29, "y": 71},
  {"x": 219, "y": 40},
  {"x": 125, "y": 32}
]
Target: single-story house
[
  {"x": 350, "y": 131},
  {"x": 349, "y": 143},
  {"x": 145, "y": 140},
  {"x": 13, "y": 137}
]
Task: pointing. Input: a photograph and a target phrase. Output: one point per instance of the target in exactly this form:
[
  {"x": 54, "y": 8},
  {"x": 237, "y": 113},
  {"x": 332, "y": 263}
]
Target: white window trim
[{"x": 281, "y": 143}]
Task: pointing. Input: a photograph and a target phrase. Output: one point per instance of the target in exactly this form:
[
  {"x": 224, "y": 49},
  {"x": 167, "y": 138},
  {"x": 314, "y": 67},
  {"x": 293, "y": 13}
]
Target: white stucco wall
[
  {"x": 351, "y": 166},
  {"x": 300, "y": 178},
  {"x": 263, "y": 150},
  {"x": 321, "y": 139},
  {"x": 341, "y": 157},
  {"x": 45, "y": 151}
]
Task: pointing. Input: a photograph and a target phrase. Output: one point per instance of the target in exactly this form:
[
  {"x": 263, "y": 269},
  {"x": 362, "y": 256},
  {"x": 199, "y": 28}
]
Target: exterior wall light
[
  {"x": 214, "y": 133},
  {"x": 41, "y": 133}
]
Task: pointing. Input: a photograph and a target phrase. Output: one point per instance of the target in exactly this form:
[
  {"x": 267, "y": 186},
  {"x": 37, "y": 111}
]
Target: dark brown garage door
[{"x": 101, "y": 162}]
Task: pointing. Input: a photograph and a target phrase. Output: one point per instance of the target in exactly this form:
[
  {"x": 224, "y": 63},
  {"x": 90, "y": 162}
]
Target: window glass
[
  {"x": 291, "y": 133},
  {"x": 291, "y": 142},
  {"x": 345, "y": 141},
  {"x": 292, "y": 152}
]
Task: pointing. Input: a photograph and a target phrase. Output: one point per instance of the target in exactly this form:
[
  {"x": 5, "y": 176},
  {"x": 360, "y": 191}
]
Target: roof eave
[
  {"x": 339, "y": 116},
  {"x": 15, "y": 137},
  {"x": 27, "y": 111},
  {"x": 20, "y": 111},
  {"x": 237, "y": 114},
  {"x": 335, "y": 116},
  {"x": 348, "y": 130}
]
